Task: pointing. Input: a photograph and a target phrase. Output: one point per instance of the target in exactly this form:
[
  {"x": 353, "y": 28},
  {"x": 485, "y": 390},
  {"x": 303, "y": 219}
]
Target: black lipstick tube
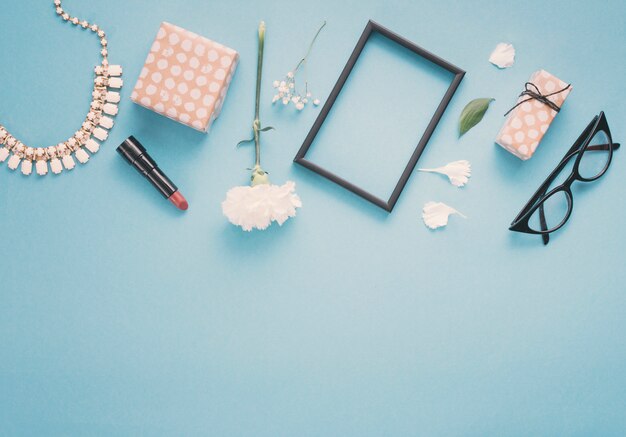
[{"x": 135, "y": 154}]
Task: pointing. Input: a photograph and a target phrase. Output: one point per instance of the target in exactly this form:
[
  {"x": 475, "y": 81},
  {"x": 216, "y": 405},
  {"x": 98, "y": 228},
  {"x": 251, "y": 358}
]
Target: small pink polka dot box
[
  {"x": 526, "y": 125},
  {"x": 185, "y": 77}
]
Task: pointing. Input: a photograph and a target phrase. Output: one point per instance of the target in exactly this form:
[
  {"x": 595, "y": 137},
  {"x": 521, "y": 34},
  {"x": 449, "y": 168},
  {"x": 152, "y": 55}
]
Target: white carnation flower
[{"x": 258, "y": 206}]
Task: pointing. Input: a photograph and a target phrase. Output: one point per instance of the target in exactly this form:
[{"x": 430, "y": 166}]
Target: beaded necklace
[{"x": 95, "y": 127}]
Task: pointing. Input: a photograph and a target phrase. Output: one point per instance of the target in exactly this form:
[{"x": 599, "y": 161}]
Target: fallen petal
[
  {"x": 458, "y": 172},
  {"x": 436, "y": 214},
  {"x": 503, "y": 56}
]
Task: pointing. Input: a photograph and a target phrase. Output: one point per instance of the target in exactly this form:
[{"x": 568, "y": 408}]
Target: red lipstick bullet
[{"x": 179, "y": 201}]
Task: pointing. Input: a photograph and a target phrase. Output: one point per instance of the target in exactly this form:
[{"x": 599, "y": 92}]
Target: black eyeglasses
[{"x": 551, "y": 206}]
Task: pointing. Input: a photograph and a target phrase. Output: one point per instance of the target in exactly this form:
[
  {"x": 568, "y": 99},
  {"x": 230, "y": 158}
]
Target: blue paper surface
[{"x": 119, "y": 315}]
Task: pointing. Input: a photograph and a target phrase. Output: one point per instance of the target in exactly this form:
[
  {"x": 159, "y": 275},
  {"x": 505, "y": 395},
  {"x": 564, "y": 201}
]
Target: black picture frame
[{"x": 370, "y": 28}]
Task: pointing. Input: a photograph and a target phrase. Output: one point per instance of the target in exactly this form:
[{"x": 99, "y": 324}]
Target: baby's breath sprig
[{"x": 286, "y": 89}]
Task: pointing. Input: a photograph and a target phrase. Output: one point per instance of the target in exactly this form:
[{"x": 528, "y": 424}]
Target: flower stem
[
  {"x": 256, "y": 125},
  {"x": 308, "y": 52}
]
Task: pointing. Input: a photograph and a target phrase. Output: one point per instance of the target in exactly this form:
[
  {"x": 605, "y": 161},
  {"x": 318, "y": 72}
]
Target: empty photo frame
[{"x": 452, "y": 77}]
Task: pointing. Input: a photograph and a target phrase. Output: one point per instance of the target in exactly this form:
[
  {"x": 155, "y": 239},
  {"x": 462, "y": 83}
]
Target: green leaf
[
  {"x": 245, "y": 141},
  {"x": 265, "y": 129},
  {"x": 472, "y": 114}
]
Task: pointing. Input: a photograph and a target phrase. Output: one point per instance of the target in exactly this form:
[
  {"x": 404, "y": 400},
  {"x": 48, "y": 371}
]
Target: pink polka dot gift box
[
  {"x": 533, "y": 113},
  {"x": 185, "y": 77}
]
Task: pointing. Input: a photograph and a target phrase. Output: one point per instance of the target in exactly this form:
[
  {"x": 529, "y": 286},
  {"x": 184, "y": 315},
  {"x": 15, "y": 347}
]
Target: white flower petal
[
  {"x": 503, "y": 56},
  {"x": 257, "y": 207},
  {"x": 435, "y": 214},
  {"x": 458, "y": 172}
]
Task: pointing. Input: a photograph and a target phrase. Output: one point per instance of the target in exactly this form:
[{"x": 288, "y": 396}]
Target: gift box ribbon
[{"x": 533, "y": 93}]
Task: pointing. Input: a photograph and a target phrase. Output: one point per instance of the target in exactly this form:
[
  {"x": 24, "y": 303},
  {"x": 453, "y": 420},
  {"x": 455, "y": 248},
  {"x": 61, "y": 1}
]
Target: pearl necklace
[{"x": 96, "y": 125}]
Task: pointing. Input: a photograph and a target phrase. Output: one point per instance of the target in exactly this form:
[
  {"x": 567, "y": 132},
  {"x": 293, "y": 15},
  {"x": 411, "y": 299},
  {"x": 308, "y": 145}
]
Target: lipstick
[{"x": 135, "y": 154}]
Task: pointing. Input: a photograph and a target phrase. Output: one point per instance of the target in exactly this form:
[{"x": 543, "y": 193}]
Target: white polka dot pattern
[
  {"x": 185, "y": 77},
  {"x": 525, "y": 126}
]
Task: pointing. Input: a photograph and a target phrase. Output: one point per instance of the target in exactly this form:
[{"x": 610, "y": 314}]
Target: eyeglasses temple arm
[
  {"x": 601, "y": 147},
  {"x": 565, "y": 160},
  {"x": 544, "y": 225}
]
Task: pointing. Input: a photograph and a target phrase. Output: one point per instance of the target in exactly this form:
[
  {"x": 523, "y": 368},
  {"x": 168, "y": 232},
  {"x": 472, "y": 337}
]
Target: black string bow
[{"x": 534, "y": 93}]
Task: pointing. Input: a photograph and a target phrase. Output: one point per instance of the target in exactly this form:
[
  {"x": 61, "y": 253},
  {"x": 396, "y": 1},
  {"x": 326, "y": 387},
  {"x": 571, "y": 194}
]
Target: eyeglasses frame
[{"x": 580, "y": 147}]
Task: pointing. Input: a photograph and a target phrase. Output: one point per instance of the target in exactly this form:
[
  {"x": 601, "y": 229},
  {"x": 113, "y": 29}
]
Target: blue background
[{"x": 120, "y": 315}]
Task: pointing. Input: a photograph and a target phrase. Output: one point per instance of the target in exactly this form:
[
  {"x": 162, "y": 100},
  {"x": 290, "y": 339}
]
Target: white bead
[
  {"x": 100, "y": 134},
  {"x": 92, "y": 145},
  {"x": 110, "y": 109},
  {"x": 106, "y": 122},
  {"x": 55, "y": 166},
  {"x": 14, "y": 161},
  {"x": 27, "y": 167},
  {"x": 113, "y": 97},
  {"x": 4, "y": 154},
  {"x": 68, "y": 162},
  {"x": 82, "y": 156},
  {"x": 41, "y": 167},
  {"x": 115, "y": 70},
  {"x": 115, "y": 82}
]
